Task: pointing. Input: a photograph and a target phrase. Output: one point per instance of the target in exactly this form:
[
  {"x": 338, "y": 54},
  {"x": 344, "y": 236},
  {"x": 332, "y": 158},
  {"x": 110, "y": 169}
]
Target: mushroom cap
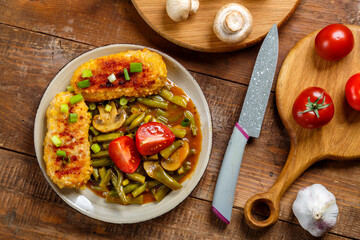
[
  {"x": 233, "y": 23},
  {"x": 109, "y": 121},
  {"x": 179, "y": 10},
  {"x": 176, "y": 159}
]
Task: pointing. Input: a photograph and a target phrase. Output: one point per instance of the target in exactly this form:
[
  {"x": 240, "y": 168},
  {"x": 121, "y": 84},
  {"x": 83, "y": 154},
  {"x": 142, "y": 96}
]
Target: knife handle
[{"x": 229, "y": 172}]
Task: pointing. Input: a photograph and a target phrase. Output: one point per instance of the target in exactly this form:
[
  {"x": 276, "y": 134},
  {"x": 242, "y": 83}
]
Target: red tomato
[
  {"x": 334, "y": 42},
  {"x": 314, "y": 112},
  {"x": 352, "y": 91},
  {"x": 124, "y": 154},
  {"x": 153, "y": 137}
]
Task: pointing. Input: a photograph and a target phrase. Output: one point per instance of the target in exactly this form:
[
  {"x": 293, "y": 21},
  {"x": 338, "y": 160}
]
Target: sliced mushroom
[
  {"x": 176, "y": 159},
  {"x": 109, "y": 121},
  {"x": 179, "y": 10},
  {"x": 233, "y": 23}
]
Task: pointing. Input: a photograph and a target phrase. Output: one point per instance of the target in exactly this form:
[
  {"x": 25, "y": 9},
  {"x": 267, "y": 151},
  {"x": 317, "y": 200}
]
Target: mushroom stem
[{"x": 234, "y": 22}]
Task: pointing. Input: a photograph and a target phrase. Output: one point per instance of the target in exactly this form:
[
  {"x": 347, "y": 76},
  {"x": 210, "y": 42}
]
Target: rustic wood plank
[
  {"x": 264, "y": 157},
  {"x": 30, "y": 209},
  {"x": 104, "y": 22}
]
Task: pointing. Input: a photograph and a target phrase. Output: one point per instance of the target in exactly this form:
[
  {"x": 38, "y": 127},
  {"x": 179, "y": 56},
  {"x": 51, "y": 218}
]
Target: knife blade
[{"x": 249, "y": 124}]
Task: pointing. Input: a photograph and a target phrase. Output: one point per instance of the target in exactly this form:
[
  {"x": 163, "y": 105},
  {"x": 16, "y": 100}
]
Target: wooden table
[{"x": 37, "y": 38}]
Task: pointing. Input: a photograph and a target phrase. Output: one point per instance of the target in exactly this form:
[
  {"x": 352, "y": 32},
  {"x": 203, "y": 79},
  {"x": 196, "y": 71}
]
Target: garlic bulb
[{"x": 315, "y": 208}]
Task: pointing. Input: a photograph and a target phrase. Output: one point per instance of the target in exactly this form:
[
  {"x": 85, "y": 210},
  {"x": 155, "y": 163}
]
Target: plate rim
[{"x": 180, "y": 199}]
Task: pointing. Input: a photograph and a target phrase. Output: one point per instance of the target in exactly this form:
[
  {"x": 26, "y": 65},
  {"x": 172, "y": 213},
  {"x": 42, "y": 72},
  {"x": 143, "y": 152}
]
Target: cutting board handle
[{"x": 297, "y": 162}]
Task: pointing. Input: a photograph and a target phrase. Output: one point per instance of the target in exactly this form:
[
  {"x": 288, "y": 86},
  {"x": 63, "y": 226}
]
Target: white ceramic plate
[{"x": 85, "y": 201}]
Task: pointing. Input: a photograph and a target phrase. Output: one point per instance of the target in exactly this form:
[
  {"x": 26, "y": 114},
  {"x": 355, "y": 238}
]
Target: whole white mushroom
[
  {"x": 179, "y": 10},
  {"x": 233, "y": 23}
]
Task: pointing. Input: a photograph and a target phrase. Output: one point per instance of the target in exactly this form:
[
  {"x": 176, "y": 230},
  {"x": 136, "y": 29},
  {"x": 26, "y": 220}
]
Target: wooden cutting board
[
  {"x": 338, "y": 140},
  {"x": 196, "y": 32}
]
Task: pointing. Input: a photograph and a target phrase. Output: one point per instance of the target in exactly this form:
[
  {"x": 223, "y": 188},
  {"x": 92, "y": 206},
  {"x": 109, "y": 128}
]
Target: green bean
[
  {"x": 137, "y": 200},
  {"x": 160, "y": 112},
  {"x": 107, "y": 137},
  {"x": 193, "y": 127},
  {"x": 186, "y": 167},
  {"x": 114, "y": 178},
  {"x": 113, "y": 193},
  {"x": 102, "y": 162},
  {"x": 137, "y": 121},
  {"x": 153, "y": 183},
  {"x": 130, "y": 187},
  {"x": 170, "y": 118},
  {"x": 100, "y": 154},
  {"x": 96, "y": 174},
  {"x": 91, "y": 139},
  {"x": 131, "y": 118},
  {"x": 136, "y": 177},
  {"x": 171, "y": 149},
  {"x": 157, "y": 98},
  {"x": 152, "y": 157},
  {"x": 155, "y": 171},
  {"x": 179, "y": 132},
  {"x": 106, "y": 145},
  {"x": 162, "y": 119},
  {"x": 161, "y": 192},
  {"x": 153, "y": 103},
  {"x": 139, "y": 190},
  {"x": 98, "y": 189},
  {"x": 119, "y": 187},
  {"x": 178, "y": 100},
  {"x": 105, "y": 181},
  {"x": 102, "y": 172}
]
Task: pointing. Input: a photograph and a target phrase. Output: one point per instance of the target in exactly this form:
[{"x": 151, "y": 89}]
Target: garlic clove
[
  {"x": 316, "y": 210},
  {"x": 179, "y": 10},
  {"x": 233, "y": 23}
]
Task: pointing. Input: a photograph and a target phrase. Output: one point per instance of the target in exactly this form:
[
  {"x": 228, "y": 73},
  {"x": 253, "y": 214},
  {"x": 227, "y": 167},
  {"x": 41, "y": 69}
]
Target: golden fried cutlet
[
  {"x": 75, "y": 142},
  {"x": 148, "y": 82}
]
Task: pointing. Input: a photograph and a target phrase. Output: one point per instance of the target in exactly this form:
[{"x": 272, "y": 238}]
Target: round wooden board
[
  {"x": 303, "y": 68},
  {"x": 338, "y": 140},
  {"x": 196, "y": 32}
]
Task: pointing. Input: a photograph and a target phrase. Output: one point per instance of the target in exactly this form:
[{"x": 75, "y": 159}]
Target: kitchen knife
[{"x": 249, "y": 124}]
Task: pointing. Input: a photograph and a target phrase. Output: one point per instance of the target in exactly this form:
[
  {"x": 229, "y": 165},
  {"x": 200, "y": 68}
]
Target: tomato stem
[{"x": 316, "y": 106}]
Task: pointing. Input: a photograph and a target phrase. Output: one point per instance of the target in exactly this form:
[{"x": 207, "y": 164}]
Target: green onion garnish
[
  {"x": 185, "y": 122},
  {"x": 108, "y": 108},
  {"x": 95, "y": 148},
  {"x": 64, "y": 108},
  {"x": 135, "y": 67},
  {"x": 76, "y": 98},
  {"x": 69, "y": 89},
  {"x": 86, "y": 73},
  {"x": 61, "y": 153},
  {"x": 84, "y": 84},
  {"x": 94, "y": 131},
  {"x": 112, "y": 78},
  {"x": 66, "y": 159},
  {"x": 92, "y": 106},
  {"x": 56, "y": 140},
  {"x": 132, "y": 99},
  {"x": 123, "y": 101},
  {"x": 73, "y": 117},
  {"x": 126, "y": 74}
]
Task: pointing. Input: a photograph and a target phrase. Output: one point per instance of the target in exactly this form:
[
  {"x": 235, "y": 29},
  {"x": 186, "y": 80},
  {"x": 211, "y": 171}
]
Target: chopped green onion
[
  {"x": 86, "y": 73},
  {"x": 94, "y": 131},
  {"x": 66, "y": 159},
  {"x": 108, "y": 108},
  {"x": 95, "y": 148},
  {"x": 125, "y": 182},
  {"x": 56, "y": 140},
  {"x": 185, "y": 122},
  {"x": 69, "y": 89},
  {"x": 123, "y": 101},
  {"x": 73, "y": 117},
  {"x": 76, "y": 98},
  {"x": 92, "y": 106},
  {"x": 112, "y": 78},
  {"x": 135, "y": 67},
  {"x": 132, "y": 99},
  {"x": 61, "y": 153},
  {"x": 84, "y": 84},
  {"x": 126, "y": 74},
  {"x": 64, "y": 108}
]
